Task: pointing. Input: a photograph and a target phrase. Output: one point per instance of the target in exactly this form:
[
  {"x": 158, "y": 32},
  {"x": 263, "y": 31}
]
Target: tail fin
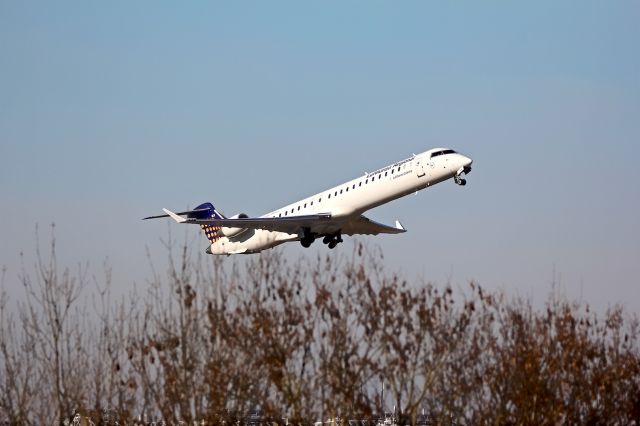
[{"x": 208, "y": 211}]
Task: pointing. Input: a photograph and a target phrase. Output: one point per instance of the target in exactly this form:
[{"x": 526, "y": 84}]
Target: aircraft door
[{"x": 419, "y": 167}]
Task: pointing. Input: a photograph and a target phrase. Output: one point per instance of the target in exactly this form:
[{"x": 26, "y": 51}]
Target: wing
[
  {"x": 364, "y": 225},
  {"x": 290, "y": 224}
]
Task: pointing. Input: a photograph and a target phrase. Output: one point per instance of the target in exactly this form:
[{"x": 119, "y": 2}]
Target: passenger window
[
  {"x": 347, "y": 190},
  {"x": 379, "y": 176},
  {"x": 291, "y": 210},
  {"x": 312, "y": 203},
  {"x": 279, "y": 214},
  {"x": 385, "y": 173},
  {"x": 366, "y": 181},
  {"x": 373, "y": 178},
  {"x": 305, "y": 205},
  {"x": 285, "y": 213},
  {"x": 360, "y": 184},
  {"x": 354, "y": 186},
  {"x": 298, "y": 208},
  {"x": 329, "y": 195},
  {"x": 336, "y": 193},
  {"x": 341, "y": 191},
  {"x": 320, "y": 199},
  {"x": 392, "y": 171}
]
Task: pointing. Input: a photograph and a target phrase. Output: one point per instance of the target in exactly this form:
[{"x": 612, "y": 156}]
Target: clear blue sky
[{"x": 110, "y": 111}]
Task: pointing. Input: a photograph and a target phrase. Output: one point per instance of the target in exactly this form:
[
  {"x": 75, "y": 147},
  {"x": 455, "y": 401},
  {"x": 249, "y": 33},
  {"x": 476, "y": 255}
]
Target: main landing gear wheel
[
  {"x": 332, "y": 240},
  {"x": 307, "y": 238}
]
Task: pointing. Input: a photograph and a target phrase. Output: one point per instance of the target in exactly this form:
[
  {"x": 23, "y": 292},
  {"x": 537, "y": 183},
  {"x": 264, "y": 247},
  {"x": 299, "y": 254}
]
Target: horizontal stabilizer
[
  {"x": 174, "y": 216},
  {"x": 202, "y": 210}
]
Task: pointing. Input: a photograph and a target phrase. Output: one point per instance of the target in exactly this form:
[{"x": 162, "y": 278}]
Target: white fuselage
[{"x": 349, "y": 200}]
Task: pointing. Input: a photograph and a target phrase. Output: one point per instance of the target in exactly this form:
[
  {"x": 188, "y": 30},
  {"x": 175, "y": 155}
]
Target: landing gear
[
  {"x": 307, "y": 238},
  {"x": 459, "y": 180},
  {"x": 332, "y": 240}
]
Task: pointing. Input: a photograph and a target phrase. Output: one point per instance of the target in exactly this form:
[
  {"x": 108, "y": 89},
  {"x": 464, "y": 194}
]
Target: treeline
[{"x": 306, "y": 340}]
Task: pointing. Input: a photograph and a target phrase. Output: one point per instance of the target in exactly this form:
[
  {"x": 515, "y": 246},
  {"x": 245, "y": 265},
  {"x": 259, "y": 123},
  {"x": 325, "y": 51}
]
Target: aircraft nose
[{"x": 465, "y": 163}]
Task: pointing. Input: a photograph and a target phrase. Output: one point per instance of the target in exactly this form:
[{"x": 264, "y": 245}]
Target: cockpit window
[{"x": 443, "y": 152}]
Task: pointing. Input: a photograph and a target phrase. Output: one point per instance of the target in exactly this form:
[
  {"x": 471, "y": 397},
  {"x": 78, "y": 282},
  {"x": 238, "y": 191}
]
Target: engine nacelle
[{"x": 234, "y": 232}]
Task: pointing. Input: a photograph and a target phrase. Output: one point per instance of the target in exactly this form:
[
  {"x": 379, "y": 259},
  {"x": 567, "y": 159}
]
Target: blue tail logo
[{"x": 208, "y": 211}]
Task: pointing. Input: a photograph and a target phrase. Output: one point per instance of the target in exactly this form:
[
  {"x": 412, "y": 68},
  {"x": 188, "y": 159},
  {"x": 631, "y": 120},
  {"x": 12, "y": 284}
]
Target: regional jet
[{"x": 329, "y": 214}]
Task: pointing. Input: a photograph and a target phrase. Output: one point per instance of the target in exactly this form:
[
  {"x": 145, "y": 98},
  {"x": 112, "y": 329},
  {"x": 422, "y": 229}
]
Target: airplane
[{"x": 329, "y": 214}]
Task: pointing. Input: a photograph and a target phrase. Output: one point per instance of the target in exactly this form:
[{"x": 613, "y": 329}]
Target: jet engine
[{"x": 234, "y": 232}]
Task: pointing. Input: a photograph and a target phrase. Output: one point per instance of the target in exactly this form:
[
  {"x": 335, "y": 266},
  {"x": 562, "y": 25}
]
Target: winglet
[
  {"x": 174, "y": 216},
  {"x": 400, "y": 227}
]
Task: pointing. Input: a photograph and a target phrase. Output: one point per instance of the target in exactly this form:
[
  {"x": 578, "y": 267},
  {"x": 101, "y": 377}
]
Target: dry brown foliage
[{"x": 306, "y": 340}]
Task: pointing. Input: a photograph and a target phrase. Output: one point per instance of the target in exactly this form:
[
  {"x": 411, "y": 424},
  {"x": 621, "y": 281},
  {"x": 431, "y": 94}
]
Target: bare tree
[
  {"x": 53, "y": 320},
  {"x": 214, "y": 340},
  {"x": 18, "y": 365}
]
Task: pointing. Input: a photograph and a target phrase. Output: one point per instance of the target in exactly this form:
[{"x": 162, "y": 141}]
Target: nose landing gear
[{"x": 458, "y": 179}]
